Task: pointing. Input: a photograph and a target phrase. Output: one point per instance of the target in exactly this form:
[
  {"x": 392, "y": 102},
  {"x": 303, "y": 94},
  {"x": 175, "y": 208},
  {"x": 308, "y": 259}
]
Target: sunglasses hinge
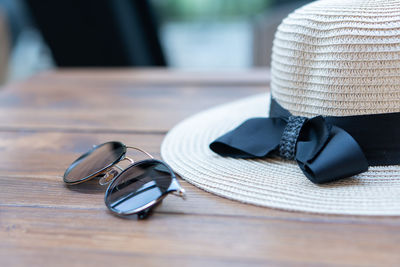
[{"x": 176, "y": 189}]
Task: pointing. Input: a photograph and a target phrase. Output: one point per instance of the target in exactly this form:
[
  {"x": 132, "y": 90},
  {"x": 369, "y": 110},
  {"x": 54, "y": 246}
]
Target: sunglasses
[{"x": 134, "y": 190}]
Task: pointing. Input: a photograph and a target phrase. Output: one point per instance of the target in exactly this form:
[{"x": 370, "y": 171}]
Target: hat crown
[{"x": 338, "y": 58}]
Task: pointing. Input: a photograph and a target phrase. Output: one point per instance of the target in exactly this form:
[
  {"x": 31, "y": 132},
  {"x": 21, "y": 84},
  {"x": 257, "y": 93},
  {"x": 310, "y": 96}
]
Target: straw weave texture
[
  {"x": 339, "y": 58},
  {"x": 331, "y": 57}
]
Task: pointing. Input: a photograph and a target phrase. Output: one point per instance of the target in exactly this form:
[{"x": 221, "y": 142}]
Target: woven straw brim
[{"x": 271, "y": 183}]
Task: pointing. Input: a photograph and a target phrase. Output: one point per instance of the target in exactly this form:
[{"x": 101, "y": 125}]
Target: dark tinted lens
[
  {"x": 94, "y": 161},
  {"x": 137, "y": 186}
]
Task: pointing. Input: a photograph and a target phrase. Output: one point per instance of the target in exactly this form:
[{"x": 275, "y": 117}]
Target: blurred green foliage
[{"x": 173, "y": 10}]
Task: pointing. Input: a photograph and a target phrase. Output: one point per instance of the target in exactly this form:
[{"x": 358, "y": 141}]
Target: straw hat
[{"x": 330, "y": 58}]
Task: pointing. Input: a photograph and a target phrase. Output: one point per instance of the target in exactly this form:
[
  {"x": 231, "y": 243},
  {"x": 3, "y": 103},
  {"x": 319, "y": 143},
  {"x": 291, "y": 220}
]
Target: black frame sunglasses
[{"x": 137, "y": 189}]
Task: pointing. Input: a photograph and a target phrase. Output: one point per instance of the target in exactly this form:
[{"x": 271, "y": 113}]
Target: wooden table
[{"x": 50, "y": 119}]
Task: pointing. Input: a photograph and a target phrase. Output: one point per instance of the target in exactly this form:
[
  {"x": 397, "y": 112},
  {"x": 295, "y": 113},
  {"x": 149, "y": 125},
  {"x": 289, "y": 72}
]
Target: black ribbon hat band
[{"x": 326, "y": 148}]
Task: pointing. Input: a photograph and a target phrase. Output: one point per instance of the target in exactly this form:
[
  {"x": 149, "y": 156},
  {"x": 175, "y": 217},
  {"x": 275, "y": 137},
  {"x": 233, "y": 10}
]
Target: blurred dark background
[{"x": 37, "y": 35}]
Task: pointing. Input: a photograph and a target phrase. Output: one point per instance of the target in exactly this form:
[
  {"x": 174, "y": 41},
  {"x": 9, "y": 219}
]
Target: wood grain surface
[{"x": 50, "y": 119}]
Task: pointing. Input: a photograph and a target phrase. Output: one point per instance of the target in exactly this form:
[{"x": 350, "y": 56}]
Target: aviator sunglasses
[{"x": 136, "y": 189}]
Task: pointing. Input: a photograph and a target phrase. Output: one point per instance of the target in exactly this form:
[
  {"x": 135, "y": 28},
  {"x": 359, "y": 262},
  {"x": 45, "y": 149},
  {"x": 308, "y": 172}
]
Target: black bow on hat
[{"x": 323, "y": 152}]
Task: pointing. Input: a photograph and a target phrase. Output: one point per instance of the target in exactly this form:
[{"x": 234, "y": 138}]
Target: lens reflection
[
  {"x": 94, "y": 161},
  {"x": 137, "y": 186}
]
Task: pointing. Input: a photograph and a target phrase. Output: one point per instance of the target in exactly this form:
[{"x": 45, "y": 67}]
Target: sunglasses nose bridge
[
  {"x": 109, "y": 176},
  {"x": 131, "y": 161},
  {"x": 113, "y": 172}
]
